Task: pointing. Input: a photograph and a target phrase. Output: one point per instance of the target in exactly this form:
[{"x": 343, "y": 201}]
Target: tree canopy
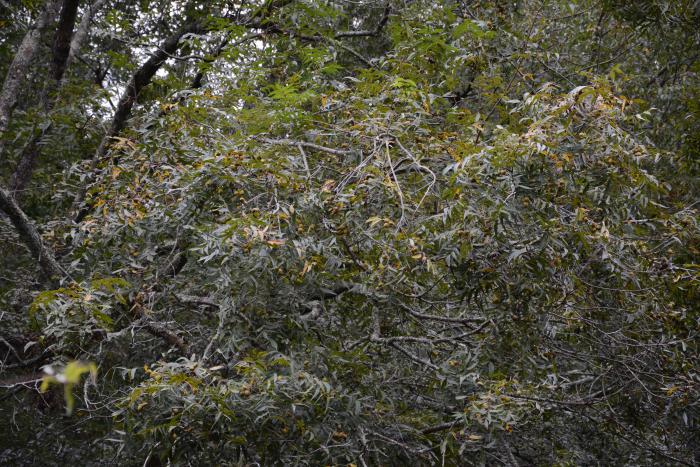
[{"x": 350, "y": 232}]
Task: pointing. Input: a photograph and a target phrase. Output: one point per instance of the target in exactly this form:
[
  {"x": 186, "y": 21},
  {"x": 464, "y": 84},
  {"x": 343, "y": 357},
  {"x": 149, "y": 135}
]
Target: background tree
[{"x": 349, "y": 232}]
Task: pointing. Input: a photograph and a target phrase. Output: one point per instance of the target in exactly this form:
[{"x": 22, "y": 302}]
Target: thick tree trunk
[{"x": 17, "y": 72}]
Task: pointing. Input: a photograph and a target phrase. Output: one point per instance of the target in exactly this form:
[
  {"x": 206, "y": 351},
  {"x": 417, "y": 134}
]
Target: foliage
[
  {"x": 68, "y": 377},
  {"x": 423, "y": 232}
]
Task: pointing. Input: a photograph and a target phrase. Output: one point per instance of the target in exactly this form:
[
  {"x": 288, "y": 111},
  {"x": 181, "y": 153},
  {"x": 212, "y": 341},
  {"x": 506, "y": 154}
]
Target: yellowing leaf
[
  {"x": 69, "y": 377},
  {"x": 372, "y": 221}
]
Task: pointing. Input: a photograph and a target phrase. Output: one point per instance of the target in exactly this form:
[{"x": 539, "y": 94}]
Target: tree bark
[
  {"x": 83, "y": 29},
  {"x": 31, "y": 237},
  {"x": 17, "y": 72},
  {"x": 62, "y": 39}
]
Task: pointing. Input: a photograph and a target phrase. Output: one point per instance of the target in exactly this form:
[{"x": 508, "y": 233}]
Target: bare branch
[
  {"x": 289, "y": 142},
  {"x": 438, "y": 428},
  {"x": 373, "y": 32}
]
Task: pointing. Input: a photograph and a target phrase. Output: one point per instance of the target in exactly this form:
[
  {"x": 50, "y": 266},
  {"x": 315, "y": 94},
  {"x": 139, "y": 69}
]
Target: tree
[{"x": 299, "y": 232}]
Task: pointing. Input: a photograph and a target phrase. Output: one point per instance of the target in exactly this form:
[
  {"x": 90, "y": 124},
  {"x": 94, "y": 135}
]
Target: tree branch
[
  {"x": 62, "y": 38},
  {"x": 289, "y": 142},
  {"x": 29, "y": 234},
  {"x": 83, "y": 29},
  {"x": 373, "y": 32},
  {"x": 138, "y": 81},
  {"x": 141, "y": 79}
]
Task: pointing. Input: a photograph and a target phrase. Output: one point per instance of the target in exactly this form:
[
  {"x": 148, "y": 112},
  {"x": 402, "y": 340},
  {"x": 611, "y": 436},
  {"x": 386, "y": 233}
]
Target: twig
[
  {"x": 306, "y": 163},
  {"x": 289, "y": 142},
  {"x": 438, "y": 428},
  {"x": 415, "y": 161},
  {"x": 398, "y": 187},
  {"x": 444, "y": 319}
]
